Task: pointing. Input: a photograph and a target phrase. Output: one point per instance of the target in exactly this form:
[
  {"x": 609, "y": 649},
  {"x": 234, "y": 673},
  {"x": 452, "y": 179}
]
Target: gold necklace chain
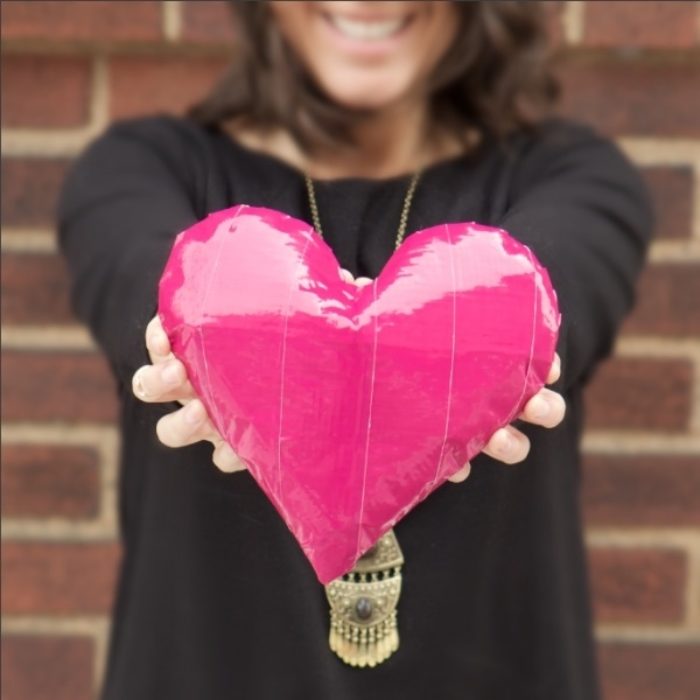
[{"x": 403, "y": 219}]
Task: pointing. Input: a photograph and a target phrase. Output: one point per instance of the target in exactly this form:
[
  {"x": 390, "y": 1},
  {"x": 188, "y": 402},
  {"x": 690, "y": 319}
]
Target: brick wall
[{"x": 70, "y": 67}]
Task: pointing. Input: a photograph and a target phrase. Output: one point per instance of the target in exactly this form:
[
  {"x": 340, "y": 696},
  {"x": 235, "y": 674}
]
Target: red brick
[
  {"x": 638, "y": 585},
  {"x": 35, "y": 289},
  {"x": 650, "y": 671},
  {"x": 58, "y": 578},
  {"x": 149, "y": 84},
  {"x": 658, "y": 25},
  {"x": 47, "y": 668},
  {"x": 672, "y": 191},
  {"x": 640, "y": 98},
  {"x": 76, "y": 20},
  {"x": 55, "y": 386},
  {"x": 41, "y": 91},
  {"x": 640, "y": 393},
  {"x": 29, "y": 190},
  {"x": 207, "y": 21},
  {"x": 667, "y": 301},
  {"x": 655, "y": 490},
  {"x": 40, "y": 481}
]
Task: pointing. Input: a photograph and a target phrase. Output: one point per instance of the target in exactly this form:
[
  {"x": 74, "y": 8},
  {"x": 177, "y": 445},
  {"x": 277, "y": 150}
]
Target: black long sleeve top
[{"x": 216, "y": 599}]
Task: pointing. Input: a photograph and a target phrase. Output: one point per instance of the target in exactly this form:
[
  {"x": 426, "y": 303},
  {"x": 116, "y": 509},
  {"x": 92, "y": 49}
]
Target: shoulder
[
  {"x": 171, "y": 138},
  {"x": 144, "y": 153},
  {"x": 568, "y": 155},
  {"x": 556, "y": 143}
]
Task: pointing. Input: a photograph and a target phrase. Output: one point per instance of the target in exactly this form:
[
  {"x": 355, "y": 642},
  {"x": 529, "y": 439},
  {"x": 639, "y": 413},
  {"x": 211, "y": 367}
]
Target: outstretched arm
[
  {"x": 583, "y": 209},
  {"x": 120, "y": 208}
]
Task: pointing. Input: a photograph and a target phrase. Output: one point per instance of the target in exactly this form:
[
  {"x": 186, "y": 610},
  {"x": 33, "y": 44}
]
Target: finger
[
  {"x": 346, "y": 275},
  {"x": 157, "y": 342},
  {"x": 545, "y": 408},
  {"x": 508, "y": 445},
  {"x": 186, "y": 426},
  {"x": 554, "y": 370},
  {"x": 461, "y": 475},
  {"x": 226, "y": 459},
  {"x": 190, "y": 425},
  {"x": 164, "y": 382},
  {"x": 363, "y": 281}
]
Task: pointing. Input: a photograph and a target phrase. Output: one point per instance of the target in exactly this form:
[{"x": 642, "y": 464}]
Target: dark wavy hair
[{"x": 495, "y": 77}]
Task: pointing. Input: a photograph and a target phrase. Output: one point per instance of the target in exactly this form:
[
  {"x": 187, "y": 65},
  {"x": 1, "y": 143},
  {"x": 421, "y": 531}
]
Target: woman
[{"x": 354, "y": 115}]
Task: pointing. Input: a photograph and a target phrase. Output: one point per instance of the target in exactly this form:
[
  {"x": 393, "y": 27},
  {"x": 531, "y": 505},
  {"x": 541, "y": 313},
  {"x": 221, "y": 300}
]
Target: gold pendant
[{"x": 363, "y": 630}]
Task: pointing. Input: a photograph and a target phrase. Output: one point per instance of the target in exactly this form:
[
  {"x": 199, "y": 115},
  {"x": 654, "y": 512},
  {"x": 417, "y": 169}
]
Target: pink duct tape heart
[{"x": 351, "y": 405}]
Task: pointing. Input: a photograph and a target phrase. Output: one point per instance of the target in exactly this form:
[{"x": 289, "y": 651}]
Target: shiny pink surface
[{"x": 350, "y": 405}]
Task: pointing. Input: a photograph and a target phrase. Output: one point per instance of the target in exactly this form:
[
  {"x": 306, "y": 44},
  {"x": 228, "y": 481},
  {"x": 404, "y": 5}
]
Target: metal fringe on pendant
[{"x": 363, "y": 629}]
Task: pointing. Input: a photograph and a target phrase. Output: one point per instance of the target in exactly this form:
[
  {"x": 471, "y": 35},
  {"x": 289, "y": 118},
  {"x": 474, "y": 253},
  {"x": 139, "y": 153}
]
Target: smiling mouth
[{"x": 368, "y": 30}]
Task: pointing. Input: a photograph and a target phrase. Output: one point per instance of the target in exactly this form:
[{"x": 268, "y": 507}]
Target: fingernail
[
  {"x": 139, "y": 388},
  {"x": 363, "y": 281},
  {"x": 193, "y": 413},
  {"x": 170, "y": 374},
  {"x": 556, "y": 369},
  {"x": 540, "y": 408}
]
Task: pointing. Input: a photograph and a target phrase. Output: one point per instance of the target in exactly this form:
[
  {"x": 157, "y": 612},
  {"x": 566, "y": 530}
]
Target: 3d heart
[{"x": 348, "y": 404}]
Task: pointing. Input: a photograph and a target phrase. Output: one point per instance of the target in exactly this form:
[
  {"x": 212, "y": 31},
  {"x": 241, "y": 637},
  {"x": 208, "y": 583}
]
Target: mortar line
[
  {"x": 59, "y": 338},
  {"x": 692, "y": 599},
  {"x": 669, "y": 150},
  {"x": 99, "y": 103},
  {"x": 650, "y": 537},
  {"x": 682, "y": 251},
  {"x": 18, "y": 240},
  {"x": 172, "y": 20},
  {"x": 658, "y": 347},
  {"x": 639, "y": 442},
  {"x": 573, "y": 21},
  {"x": 645, "y": 634},
  {"x": 58, "y": 433}
]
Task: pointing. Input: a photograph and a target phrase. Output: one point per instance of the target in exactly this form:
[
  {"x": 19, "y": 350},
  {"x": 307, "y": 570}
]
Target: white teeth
[{"x": 367, "y": 31}]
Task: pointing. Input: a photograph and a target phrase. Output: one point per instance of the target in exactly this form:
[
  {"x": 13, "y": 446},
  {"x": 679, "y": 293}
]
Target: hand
[
  {"x": 510, "y": 445},
  {"x": 166, "y": 380}
]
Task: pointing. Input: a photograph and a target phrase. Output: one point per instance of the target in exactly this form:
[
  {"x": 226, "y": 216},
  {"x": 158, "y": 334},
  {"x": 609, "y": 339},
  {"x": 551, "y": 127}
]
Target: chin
[
  {"x": 358, "y": 94},
  {"x": 365, "y": 101}
]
